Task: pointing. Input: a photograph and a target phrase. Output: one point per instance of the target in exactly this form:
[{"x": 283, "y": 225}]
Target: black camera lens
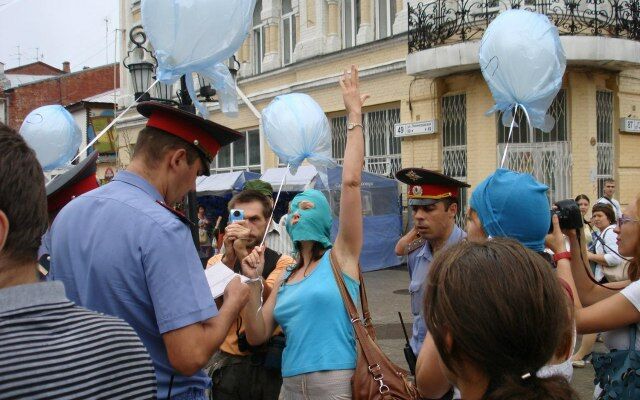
[{"x": 236, "y": 213}]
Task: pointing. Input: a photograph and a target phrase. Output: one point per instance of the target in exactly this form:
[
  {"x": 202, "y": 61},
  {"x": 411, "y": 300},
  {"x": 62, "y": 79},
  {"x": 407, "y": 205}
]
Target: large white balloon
[
  {"x": 53, "y": 134},
  {"x": 197, "y": 36},
  {"x": 523, "y": 62},
  {"x": 297, "y": 129}
]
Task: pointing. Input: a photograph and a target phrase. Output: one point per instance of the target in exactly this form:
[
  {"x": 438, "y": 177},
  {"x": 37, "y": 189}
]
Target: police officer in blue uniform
[
  {"x": 433, "y": 199},
  {"x": 122, "y": 250},
  {"x": 77, "y": 180}
]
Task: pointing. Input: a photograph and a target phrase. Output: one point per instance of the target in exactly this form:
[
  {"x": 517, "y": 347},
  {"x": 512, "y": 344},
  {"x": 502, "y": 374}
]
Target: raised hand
[
  {"x": 350, "y": 84},
  {"x": 253, "y": 264},
  {"x": 235, "y": 232}
]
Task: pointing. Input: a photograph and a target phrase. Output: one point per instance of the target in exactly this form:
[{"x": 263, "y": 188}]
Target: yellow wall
[{"x": 419, "y": 99}]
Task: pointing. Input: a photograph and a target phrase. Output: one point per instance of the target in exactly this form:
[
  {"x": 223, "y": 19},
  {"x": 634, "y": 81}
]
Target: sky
[{"x": 58, "y": 30}]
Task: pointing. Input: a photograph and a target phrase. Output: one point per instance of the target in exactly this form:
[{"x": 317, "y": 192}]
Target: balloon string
[
  {"x": 99, "y": 135},
  {"x": 284, "y": 178},
  {"x": 506, "y": 148}
]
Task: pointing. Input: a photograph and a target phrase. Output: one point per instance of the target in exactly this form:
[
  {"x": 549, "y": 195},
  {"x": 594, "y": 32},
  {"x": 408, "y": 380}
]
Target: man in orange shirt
[{"x": 240, "y": 371}]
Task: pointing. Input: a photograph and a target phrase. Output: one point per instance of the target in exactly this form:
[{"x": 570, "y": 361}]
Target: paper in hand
[{"x": 219, "y": 276}]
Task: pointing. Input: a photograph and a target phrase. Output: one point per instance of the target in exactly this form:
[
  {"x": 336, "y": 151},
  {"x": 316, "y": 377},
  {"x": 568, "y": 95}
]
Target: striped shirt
[
  {"x": 51, "y": 348},
  {"x": 278, "y": 239}
]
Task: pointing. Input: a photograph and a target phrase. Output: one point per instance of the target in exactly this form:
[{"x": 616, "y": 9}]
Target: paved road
[{"x": 388, "y": 294}]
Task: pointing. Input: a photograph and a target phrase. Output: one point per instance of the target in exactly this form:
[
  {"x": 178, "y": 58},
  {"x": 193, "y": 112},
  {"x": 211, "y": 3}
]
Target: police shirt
[
  {"x": 120, "y": 252},
  {"x": 419, "y": 261}
]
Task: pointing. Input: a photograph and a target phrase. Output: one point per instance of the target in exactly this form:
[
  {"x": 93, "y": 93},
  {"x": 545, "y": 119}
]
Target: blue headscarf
[
  {"x": 514, "y": 205},
  {"x": 314, "y": 223}
]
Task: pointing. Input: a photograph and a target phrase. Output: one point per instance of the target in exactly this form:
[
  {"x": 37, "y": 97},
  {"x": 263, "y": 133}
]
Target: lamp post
[{"x": 143, "y": 75}]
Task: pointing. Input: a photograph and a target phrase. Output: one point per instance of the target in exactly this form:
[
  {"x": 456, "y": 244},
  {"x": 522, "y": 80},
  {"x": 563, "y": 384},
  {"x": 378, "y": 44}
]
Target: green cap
[{"x": 260, "y": 186}]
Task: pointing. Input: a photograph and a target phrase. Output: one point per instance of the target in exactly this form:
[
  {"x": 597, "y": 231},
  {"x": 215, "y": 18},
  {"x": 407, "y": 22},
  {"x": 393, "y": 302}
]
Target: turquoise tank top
[{"x": 318, "y": 329}]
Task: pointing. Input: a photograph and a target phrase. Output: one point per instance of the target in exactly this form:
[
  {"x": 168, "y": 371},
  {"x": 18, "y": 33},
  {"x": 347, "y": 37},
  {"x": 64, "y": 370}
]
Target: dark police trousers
[{"x": 243, "y": 378}]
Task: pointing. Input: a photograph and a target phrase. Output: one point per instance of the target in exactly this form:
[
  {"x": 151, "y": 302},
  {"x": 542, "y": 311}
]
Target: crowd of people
[{"x": 125, "y": 310}]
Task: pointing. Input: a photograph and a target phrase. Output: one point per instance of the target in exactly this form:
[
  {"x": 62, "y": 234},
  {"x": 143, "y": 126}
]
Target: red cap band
[
  {"x": 185, "y": 130},
  {"x": 432, "y": 191},
  {"x": 64, "y": 196}
]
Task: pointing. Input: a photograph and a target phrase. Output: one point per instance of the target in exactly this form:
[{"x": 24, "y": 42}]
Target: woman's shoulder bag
[{"x": 375, "y": 377}]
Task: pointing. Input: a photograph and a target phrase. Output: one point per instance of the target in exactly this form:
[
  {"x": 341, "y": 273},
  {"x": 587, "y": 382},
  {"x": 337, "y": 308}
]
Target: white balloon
[
  {"x": 523, "y": 62},
  {"x": 297, "y": 129},
  {"x": 53, "y": 134},
  {"x": 196, "y": 36}
]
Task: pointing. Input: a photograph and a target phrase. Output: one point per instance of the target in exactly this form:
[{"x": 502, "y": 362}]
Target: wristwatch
[{"x": 352, "y": 125}]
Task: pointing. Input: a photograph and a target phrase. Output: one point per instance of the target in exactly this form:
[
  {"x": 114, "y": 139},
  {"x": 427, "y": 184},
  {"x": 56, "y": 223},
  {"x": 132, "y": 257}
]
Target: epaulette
[
  {"x": 415, "y": 245},
  {"x": 178, "y": 214}
]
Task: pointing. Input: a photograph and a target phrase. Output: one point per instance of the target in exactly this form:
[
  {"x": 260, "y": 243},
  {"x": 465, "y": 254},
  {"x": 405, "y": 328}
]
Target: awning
[
  {"x": 222, "y": 184},
  {"x": 305, "y": 178}
]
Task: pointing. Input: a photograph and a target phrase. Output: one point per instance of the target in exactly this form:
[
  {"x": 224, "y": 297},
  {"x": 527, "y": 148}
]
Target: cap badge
[
  {"x": 416, "y": 190},
  {"x": 413, "y": 176}
]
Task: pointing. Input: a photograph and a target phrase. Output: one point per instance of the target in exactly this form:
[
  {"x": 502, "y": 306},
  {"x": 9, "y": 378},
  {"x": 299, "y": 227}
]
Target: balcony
[{"x": 444, "y": 35}]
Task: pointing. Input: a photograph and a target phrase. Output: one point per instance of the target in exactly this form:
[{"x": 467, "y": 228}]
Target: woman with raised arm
[{"x": 320, "y": 355}]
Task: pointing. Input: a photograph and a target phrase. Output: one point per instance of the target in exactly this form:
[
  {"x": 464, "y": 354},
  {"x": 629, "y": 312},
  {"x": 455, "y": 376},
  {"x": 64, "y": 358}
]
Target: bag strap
[
  {"x": 601, "y": 239},
  {"x": 365, "y": 336},
  {"x": 348, "y": 301}
]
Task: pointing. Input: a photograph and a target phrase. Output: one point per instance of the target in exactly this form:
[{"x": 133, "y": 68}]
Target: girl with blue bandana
[
  {"x": 507, "y": 204},
  {"x": 320, "y": 354}
]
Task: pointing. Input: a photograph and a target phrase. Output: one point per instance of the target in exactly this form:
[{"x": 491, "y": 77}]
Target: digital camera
[
  {"x": 568, "y": 214},
  {"x": 236, "y": 215}
]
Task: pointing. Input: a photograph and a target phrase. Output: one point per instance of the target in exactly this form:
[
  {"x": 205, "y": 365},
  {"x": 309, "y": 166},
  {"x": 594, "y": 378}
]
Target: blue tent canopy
[
  {"x": 381, "y": 209},
  {"x": 382, "y": 217},
  {"x": 223, "y": 184}
]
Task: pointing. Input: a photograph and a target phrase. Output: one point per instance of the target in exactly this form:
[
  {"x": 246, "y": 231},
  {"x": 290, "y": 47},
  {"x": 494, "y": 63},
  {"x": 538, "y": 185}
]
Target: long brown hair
[{"x": 505, "y": 312}]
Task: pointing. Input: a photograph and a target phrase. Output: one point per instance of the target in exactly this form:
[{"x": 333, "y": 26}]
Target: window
[
  {"x": 454, "y": 144},
  {"x": 241, "y": 155},
  {"x": 522, "y": 133},
  {"x": 382, "y": 148},
  {"x": 385, "y": 15},
  {"x": 258, "y": 41},
  {"x": 350, "y": 22},
  {"x": 288, "y": 32},
  {"x": 545, "y": 155},
  {"x": 604, "y": 134}
]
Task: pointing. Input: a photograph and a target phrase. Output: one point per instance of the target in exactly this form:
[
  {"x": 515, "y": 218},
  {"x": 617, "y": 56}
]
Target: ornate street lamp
[
  {"x": 141, "y": 70},
  {"x": 143, "y": 75},
  {"x": 164, "y": 92}
]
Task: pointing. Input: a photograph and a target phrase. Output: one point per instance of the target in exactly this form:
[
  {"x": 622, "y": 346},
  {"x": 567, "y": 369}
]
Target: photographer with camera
[
  {"x": 238, "y": 370},
  {"x": 611, "y": 310},
  {"x": 512, "y": 205}
]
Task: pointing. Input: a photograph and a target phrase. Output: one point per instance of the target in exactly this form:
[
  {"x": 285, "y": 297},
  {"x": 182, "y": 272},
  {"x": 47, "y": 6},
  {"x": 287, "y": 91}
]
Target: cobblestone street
[{"x": 388, "y": 294}]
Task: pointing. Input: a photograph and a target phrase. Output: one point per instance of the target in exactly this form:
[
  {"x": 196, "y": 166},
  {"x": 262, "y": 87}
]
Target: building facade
[
  {"x": 38, "y": 84},
  {"x": 419, "y": 63}
]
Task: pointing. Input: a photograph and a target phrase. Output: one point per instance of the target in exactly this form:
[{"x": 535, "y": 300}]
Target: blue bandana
[{"x": 514, "y": 205}]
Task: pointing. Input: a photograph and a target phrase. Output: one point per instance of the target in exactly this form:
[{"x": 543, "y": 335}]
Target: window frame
[
  {"x": 338, "y": 124},
  {"x": 291, "y": 16},
  {"x": 355, "y": 22},
  {"x": 390, "y": 6},
  {"x": 215, "y": 168}
]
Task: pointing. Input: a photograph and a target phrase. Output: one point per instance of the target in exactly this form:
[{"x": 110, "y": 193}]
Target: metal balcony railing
[{"x": 440, "y": 22}]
